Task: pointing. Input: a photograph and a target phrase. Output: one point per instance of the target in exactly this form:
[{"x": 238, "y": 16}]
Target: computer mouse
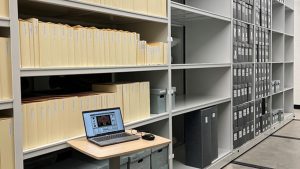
[{"x": 148, "y": 137}]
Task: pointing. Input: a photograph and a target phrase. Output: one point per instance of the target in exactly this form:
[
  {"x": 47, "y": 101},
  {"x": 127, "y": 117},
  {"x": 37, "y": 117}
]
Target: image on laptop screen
[{"x": 103, "y": 122}]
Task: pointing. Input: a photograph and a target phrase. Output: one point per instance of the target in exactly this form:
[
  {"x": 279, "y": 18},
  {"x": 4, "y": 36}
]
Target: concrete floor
[{"x": 281, "y": 151}]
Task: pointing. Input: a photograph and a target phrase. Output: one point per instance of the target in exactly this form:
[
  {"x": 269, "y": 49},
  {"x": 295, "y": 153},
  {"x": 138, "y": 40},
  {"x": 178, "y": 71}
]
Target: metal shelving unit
[
  {"x": 282, "y": 35},
  {"x": 211, "y": 22}
]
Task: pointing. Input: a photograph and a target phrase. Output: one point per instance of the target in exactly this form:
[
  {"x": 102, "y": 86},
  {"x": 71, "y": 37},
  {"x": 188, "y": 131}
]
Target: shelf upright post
[
  {"x": 16, "y": 84},
  {"x": 169, "y": 95},
  {"x": 231, "y": 77},
  {"x": 283, "y": 58},
  {"x": 271, "y": 65}
]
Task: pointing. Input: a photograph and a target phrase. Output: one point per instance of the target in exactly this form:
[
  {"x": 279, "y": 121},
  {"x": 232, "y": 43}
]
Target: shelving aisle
[
  {"x": 273, "y": 152},
  {"x": 200, "y": 63}
]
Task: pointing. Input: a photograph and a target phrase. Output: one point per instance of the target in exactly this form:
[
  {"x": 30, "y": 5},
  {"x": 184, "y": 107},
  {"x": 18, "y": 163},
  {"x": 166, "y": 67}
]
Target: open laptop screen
[{"x": 103, "y": 122}]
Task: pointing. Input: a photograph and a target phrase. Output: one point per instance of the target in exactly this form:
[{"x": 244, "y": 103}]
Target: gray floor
[{"x": 274, "y": 152}]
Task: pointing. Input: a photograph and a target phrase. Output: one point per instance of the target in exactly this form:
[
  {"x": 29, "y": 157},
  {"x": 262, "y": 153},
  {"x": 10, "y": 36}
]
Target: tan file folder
[
  {"x": 163, "y": 8},
  {"x": 32, "y": 125},
  {"x": 127, "y": 5},
  {"x": 36, "y": 47},
  {"x": 96, "y": 47},
  {"x": 65, "y": 45},
  {"x": 79, "y": 121},
  {"x": 5, "y": 69},
  {"x": 25, "y": 129},
  {"x": 111, "y": 88},
  {"x": 84, "y": 57},
  {"x": 77, "y": 46},
  {"x": 157, "y": 53},
  {"x": 24, "y": 44},
  {"x": 112, "y": 47},
  {"x": 102, "y": 54},
  {"x": 106, "y": 47},
  {"x": 149, "y": 55},
  {"x": 90, "y": 47},
  {"x": 141, "y": 54},
  {"x": 6, "y": 143},
  {"x": 126, "y": 103},
  {"x": 118, "y": 46},
  {"x": 41, "y": 123},
  {"x": 145, "y": 89},
  {"x": 132, "y": 106},
  {"x": 104, "y": 100},
  {"x": 43, "y": 51},
  {"x": 60, "y": 50},
  {"x": 31, "y": 44},
  {"x": 135, "y": 101},
  {"x": 125, "y": 48},
  {"x": 71, "y": 50},
  {"x": 110, "y": 100},
  {"x": 4, "y": 8},
  {"x": 140, "y": 6},
  {"x": 53, "y": 120}
]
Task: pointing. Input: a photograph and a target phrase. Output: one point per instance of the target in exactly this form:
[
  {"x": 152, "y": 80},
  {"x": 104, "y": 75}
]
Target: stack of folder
[
  {"x": 147, "y": 7},
  {"x": 54, "y": 118},
  {"x": 45, "y": 44},
  {"x": 5, "y": 70},
  {"x": 6, "y": 144},
  {"x": 4, "y": 8},
  {"x": 50, "y": 119},
  {"x": 132, "y": 98}
]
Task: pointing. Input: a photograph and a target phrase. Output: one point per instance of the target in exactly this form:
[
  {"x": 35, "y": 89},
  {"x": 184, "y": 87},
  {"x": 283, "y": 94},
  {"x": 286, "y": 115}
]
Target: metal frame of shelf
[
  {"x": 181, "y": 11},
  {"x": 202, "y": 103},
  {"x": 82, "y": 71},
  {"x": 289, "y": 88},
  {"x": 199, "y": 66},
  {"x": 8, "y": 104},
  {"x": 4, "y": 22}
]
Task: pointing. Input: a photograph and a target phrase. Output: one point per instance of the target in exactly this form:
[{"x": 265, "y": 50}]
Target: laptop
[{"x": 105, "y": 127}]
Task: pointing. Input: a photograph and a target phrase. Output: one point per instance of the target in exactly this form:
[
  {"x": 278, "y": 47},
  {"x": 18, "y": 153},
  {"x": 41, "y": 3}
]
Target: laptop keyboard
[
  {"x": 114, "y": 139},
  {"x": 112, "y": 136}
]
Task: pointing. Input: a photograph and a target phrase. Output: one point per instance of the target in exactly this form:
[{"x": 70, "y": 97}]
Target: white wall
[{"x": 297, "y": 52}]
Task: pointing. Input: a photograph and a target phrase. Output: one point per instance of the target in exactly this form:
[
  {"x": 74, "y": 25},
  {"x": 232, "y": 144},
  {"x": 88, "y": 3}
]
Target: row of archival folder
[
  {"x": 148, "y": 7},
  {"x": 5, "y": 70},
  {"x": 45, "y": 44},
  {"x": 51, "y": 119},
  {"x": 6, "y": 143}
]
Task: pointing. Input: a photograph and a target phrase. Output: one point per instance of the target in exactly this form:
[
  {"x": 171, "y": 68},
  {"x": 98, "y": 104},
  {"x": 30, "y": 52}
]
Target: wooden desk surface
[{"x": 101, "y": 153}]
